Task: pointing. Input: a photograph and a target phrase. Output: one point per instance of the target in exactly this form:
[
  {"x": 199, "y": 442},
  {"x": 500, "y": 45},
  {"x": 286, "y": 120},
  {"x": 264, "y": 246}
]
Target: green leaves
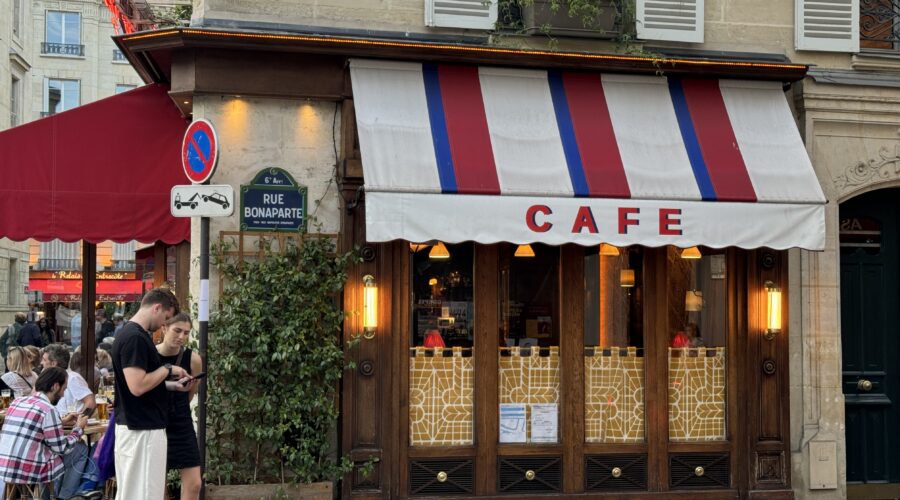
[{"x": 275, "y": 364}]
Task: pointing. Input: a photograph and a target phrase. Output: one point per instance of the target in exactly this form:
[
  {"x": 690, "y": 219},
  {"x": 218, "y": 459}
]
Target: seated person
[
  {"x": 20, "y": 378},
  {"x": 34, "y": 449},
  {"x": 78, "y": 395}
]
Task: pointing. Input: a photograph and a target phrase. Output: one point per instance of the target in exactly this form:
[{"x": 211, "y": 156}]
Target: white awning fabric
[{"x": 464, "y": 153}]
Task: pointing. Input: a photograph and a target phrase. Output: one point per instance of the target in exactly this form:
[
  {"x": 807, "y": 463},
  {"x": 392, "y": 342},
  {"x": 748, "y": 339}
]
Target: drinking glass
[{"x": 7, "y": 395}]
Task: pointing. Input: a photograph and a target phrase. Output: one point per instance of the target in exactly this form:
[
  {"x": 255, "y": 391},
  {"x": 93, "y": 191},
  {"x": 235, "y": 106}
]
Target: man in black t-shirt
[{"x": 142, "y": 381}]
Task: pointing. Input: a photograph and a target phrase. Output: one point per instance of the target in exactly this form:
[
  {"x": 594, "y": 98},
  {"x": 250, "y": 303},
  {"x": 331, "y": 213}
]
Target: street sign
[
  {"x": 199, "y": 151},
  {"x": 273, "y": 201},
  {"x": 202, "y": 200}
]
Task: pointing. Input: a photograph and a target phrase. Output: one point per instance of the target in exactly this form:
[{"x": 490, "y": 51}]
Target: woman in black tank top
[{"x": 183, "y": 453}]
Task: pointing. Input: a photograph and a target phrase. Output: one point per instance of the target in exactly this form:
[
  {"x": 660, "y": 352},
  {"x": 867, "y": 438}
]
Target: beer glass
[
  {"x": 7, "y": 397},
  {"x": 102, "y": 412}
]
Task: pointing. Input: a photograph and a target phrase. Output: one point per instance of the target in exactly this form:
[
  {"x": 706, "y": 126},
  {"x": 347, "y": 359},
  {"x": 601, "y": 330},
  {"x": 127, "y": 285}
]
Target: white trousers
[{"x": 140, "y": 464}]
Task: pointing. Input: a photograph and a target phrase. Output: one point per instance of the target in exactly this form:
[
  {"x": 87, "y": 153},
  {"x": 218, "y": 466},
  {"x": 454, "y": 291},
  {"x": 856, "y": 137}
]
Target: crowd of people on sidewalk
[{"x": 43, "y": 449}]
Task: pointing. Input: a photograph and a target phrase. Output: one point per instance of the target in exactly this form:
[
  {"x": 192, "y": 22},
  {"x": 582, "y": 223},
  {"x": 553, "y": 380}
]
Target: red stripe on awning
[
  {"x": 467, "y": 130},
  {"x": 73, "y": 287},
  {"x": 596, "y": 138},
  {"x": 721, "y": 153},
  {"x": 98, "y": 172}
]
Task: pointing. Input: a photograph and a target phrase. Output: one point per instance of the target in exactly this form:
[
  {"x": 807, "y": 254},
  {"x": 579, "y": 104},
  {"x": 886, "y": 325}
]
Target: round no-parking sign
[{"x": 199, "y": 151}]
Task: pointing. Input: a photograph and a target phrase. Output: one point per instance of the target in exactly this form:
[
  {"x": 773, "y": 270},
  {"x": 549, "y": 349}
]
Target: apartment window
[
  {"x": 14, "y": 100},
  {"x": 13, "y": 281},
  {"x": 63, "y": 34},
  {"x": 123, "y": 87},
  {"x": 16, "y": 16},
  {"x": 877, "y": 25},
  {"x": 60, "y": 95}
]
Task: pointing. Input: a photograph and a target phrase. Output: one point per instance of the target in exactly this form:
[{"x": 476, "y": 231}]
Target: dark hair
[
  {"x": 59, "y": 354},
  {"x": 163, "y": 297},
  {"x": 49, "y": 377},
  {"x": 75, "y": 361},
  {"x": 179, "y": 318}
]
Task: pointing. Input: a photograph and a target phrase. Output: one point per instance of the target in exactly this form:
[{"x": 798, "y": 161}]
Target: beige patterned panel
[
  {"x": 697, "y": 394},
  {"x": 530, "y": 378},
  {"x": 613, "y": 396},
  {"x": 440, "y": 397}
]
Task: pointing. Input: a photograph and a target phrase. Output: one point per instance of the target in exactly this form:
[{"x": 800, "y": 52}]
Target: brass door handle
[{"x": 864, "y": 385}]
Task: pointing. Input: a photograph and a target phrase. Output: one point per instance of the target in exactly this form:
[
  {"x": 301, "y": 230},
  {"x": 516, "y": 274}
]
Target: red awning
[
  {"x": 102, "y": 171},
  {"x": 70, "y": 290}
]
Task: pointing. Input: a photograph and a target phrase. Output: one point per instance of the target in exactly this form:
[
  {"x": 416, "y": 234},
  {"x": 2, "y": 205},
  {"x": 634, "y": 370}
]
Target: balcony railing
[
  {"x": 57, "y": 265},
  {"x": 118, "y": 55},
  {"x": 65, "y": 49}
]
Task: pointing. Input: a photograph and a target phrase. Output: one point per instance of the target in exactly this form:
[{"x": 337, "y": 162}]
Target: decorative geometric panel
[
  {"x": 697, "y": 394},
  {"x": 613, "y": 395},
  {"x": 440, "y": 396},
  {"x": 529, "y": 376}
]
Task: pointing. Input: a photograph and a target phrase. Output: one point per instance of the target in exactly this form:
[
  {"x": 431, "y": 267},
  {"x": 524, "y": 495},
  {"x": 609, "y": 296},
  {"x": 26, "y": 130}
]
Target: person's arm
[
  {"x": 89, "y": 401},
  {"x": 196, "y": 367},
  {"x": 141, "y": 382},
  {"x": 54, "y": 437}
]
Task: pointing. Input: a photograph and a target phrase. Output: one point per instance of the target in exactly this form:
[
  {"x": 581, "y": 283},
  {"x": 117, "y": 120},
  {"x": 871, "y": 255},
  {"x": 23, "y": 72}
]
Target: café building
[{"x": 575, "y": 272}]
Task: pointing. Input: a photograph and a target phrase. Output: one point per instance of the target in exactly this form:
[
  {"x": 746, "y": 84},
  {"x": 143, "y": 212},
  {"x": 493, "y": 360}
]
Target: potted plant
[
  {"x": 276, "y": 361},
  {"x": 581, "y": 18}
]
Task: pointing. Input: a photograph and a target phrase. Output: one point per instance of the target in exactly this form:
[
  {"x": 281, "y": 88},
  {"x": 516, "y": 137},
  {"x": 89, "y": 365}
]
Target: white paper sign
[
  {"x": 544, "y": 423},
  {"x": 512, "y": 423}
]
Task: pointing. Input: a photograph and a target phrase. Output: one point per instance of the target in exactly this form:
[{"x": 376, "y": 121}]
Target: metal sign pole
[{"x": 204, "y": 327}]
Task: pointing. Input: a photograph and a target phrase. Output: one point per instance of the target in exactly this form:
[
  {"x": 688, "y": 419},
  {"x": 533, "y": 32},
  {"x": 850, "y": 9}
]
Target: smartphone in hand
[{"x": 194, "y": 377}]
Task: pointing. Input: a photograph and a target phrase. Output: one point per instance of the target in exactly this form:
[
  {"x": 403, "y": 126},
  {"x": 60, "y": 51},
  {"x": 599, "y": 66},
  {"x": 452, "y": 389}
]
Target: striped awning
[{"x": 464, "y": 153}]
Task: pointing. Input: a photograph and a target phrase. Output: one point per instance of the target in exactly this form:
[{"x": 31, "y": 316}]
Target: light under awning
[{"x": 459, "y": 153}]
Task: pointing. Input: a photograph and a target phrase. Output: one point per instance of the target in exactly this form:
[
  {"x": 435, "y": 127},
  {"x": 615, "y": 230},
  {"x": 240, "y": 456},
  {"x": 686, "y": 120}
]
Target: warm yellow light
[
  {"x": 439, "y": 252},
  {"x": 773, "y": 310},
  {"x": 626, "y": 278},
  {"x": 691, "y": 253},
  {"x": 432, "y": 282},
  {"x": 370, "y": 303},
  {"x": 608, "y": 250},
  {"x": 415, "y": 247},
  {"x": 524, "y": 251},
  {"x": 693, "y": 300}
]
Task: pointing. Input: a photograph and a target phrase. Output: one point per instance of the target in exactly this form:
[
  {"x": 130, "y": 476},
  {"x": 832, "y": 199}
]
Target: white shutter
[
  {"x": 673, "y": 20},
  {"x": 827, "y": 25},
  {"x": 472, "y": 14}
]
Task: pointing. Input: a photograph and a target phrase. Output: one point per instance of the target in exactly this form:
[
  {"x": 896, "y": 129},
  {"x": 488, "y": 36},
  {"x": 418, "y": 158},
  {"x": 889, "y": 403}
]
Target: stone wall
[
  {"x": 299, "y": 136},
  {"x": 13, "y": 258}
]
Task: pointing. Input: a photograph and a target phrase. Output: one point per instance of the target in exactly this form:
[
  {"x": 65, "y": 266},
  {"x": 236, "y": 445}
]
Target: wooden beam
[{"x": 88, "y": 311}]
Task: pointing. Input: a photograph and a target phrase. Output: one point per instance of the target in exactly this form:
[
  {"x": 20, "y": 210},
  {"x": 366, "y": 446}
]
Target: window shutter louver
[
  {"x": 472, "y": 14},
  {"x": 672, "y": 20},
  {"x": 827, "y": 25}
]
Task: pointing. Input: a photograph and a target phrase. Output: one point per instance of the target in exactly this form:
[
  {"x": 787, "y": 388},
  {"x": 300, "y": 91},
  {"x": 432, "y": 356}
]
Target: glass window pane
[
  {"x": 54, "y": 96},
  {"x": 529, "y": 344},
  {"x": 72, "y": 28},
  {"x": 614, "y": 345},
  {"x": 440, "y": 369},
  {"x": 70, "y": 94},
  {"x": 54, "y": 27},
  {"x": 697, "y": 286}
]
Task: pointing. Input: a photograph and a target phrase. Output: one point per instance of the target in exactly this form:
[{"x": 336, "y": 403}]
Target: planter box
[
  {"x": 314, "y": 491},
  {"x": 538, "y": 15}
]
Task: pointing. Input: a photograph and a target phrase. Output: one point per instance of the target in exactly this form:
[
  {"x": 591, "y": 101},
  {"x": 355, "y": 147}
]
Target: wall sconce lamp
[
  {"x": 691, "y": 253},
  {"x": 693, "y": 301},
  {"x": 524, "y": 251},
  {"x": 626, "y": 278},
  {"x": 439, "y": 252},
  {"x": 370, "y": 307},
  {"x": 773, "y": 311},
  {"x": 608, "y": 250}
]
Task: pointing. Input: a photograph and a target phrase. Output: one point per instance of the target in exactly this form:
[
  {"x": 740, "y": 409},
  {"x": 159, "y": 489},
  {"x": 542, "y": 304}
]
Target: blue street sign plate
[{"x": 273, "y": 201}]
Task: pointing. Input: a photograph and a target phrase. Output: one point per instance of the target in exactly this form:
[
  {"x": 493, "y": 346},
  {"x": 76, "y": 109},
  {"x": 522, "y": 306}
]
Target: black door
[{"x": 869, "y": 329}]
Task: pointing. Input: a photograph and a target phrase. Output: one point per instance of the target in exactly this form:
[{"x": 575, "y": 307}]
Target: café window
[
  {"x": 441, "y": 342},
  {"x": 697, "y": 288},
  {"x": 529, "y": 344},
  {"x": 614, "y": 345}
]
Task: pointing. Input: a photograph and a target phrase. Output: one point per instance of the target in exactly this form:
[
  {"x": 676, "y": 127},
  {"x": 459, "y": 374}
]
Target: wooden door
[{"x": 869, "y": 330}]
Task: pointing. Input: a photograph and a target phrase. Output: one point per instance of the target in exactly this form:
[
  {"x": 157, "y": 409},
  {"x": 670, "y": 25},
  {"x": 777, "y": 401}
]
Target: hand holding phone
[{"x": 194, "y": 377}]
